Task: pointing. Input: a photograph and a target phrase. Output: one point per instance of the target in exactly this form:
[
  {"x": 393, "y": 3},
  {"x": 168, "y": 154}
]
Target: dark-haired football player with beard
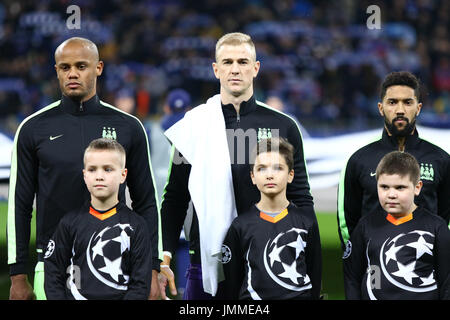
[{"x": 357, "y": 193}]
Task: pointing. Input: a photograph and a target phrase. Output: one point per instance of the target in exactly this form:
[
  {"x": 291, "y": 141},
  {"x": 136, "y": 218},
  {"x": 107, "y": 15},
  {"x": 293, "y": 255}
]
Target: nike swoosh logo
[
  {"x": 373, "y": 174},
  {"x": 55, "y": 137}
]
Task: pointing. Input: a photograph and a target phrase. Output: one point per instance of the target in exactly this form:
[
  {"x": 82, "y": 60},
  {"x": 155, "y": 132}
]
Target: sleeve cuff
[
  {"x": 18, "y": 268},
  {"x": 156, "y": 264}
]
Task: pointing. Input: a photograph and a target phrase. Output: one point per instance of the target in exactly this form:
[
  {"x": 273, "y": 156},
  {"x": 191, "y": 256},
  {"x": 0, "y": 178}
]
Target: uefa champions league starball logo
[
  {"x": 284, "y": 259},
  {"x": 407, "y": 261},
  {"x": 225, "y": 254},
  {"x": 106, "y": 252},
  {"x": 50, "y": 249}
]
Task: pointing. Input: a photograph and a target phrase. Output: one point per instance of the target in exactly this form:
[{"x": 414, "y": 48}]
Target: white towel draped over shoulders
[{"x": 201, "y": 138}]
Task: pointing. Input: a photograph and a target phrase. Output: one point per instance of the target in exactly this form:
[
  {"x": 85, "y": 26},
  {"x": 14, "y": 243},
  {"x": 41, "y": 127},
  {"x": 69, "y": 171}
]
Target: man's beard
[{"x": 405, "y": 131}]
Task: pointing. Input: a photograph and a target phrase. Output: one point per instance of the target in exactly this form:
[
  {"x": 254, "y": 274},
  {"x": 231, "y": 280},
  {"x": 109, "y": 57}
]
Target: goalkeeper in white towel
[{"x": 245, "y": 121}]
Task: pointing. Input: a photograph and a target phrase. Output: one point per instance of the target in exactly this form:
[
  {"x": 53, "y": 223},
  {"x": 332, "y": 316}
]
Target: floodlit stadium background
[{"x": 321, "y": 59}]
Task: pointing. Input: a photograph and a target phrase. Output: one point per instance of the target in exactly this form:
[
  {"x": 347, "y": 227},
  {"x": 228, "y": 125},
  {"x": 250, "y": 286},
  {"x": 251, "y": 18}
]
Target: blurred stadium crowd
[{"x": 319, "y": 57}]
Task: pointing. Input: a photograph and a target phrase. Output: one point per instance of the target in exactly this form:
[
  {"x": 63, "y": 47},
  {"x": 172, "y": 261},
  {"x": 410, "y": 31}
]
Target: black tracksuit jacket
[
  {"x": 252, "y": 115},
  {"x": 47, "y": 162},
  {"x": 357, "y": 194}
]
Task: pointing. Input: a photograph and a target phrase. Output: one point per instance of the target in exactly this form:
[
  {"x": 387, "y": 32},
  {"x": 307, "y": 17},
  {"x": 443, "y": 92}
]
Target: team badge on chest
[
  {"x": 109, "y": 133},
  {"x": 426, "y": 171}
]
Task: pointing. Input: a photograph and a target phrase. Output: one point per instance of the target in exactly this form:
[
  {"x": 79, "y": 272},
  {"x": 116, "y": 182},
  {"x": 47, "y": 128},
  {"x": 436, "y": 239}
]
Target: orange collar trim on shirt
[
  {"x": 102, "y": 216},
  {"x": 275, "y": 219},
  {"x": 398, "y": 221}
]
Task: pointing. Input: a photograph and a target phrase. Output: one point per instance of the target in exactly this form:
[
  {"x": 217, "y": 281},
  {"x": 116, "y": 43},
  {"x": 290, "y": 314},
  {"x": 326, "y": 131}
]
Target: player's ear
[
  {"x": 380, "y": 109},
  {"x": 291, "y": 176},
  {"x": 124, "y": 175},
  {"x": 419, "y": 107},
  {"x": 252, "y": 176},
  {"x": 99, "y": 68},
  {"x": 256, "y": 68},
  {"x": 418, "y": 187},
  {"x": 215, "y": 69}
]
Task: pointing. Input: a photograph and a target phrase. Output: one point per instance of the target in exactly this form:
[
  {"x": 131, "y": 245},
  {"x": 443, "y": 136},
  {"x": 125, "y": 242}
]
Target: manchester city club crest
[
  {"x": 264, "y": 133},
  {"x": 109, "y": 133},
  {"x": 426, "y": 171}
]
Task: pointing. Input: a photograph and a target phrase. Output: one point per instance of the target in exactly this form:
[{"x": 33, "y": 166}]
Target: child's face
[
  {"x": 103, "y": 173},
  {"x": 271, "y": 173},
  {"x": 396, "y": 193}
]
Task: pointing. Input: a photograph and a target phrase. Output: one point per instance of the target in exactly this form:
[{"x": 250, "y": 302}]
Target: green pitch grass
[
  {"x": 332, "y": 276},
  {"x": 4, "y": 271},
  {"x": 332, "y": 279}
]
